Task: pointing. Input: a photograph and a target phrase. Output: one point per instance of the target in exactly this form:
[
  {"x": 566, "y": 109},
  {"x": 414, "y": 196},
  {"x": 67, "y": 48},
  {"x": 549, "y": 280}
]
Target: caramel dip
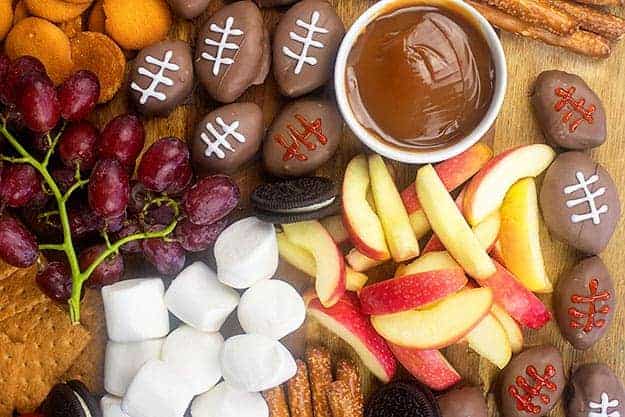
[{"x": 420, "y": 77}]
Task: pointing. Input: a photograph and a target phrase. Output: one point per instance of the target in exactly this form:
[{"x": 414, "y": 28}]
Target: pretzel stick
[
  {"x": 581, "y": 42},
  {"x": 276, "y": 402},
  {"x": 347, "y": 372},
  {"x": 594, "y": 20},
  {"x": 298, "y": 390},
  {"x": 341, "y": 400},
  {"x": 320, "y": 372},
  {"x": 539, "y": 13}
]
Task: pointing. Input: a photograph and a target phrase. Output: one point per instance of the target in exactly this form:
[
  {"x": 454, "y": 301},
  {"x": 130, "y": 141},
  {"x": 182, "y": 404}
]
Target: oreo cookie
[
  {"x": 402, "y": 399},
  {"x": 71, "y": 399},
  {"x": 295, "y": 200}
]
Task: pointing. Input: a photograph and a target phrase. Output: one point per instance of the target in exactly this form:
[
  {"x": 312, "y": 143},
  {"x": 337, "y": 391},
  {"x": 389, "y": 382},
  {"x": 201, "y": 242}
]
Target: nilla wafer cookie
[
  {"x": 95, "y": 23},
  {"x": 20, "y": 12},
  {"x": 6, "y": 17},
  {"x": 124, "y": 18},
  {"x": 55, "y": 10}
]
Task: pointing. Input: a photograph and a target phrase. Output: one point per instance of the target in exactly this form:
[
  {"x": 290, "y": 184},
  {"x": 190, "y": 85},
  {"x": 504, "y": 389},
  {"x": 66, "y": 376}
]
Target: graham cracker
[
  {"x": 11, "y": 355},
  {"x": 18, "y": 291}
]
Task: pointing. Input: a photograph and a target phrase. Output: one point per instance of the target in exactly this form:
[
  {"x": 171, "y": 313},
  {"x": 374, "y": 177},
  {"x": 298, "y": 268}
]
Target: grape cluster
[{"x": 67, "y": 182}]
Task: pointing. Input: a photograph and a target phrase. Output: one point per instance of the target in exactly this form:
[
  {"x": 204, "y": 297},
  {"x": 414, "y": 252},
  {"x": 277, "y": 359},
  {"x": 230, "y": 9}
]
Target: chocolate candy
[
  {"x": 161, "y": 77},
  {"x": 584, "y": 303},
  {"x": 594, "y": 391},
  {"x": 305, "y": 45},
  {"x": 227, "y": 137},
  {"x": 579, "y": 202},
  {"x": 532, "y": 382},
  {"x": 402, "y": 399},
  {"x": 188, "y": 9},
  {"x": 568, "y": 111},
  {"x": 463, "y": 402},
  {"x": 233, "y": 51},
  {"x": 303, "y": 137},
  {"x": 273, "y": 3}
]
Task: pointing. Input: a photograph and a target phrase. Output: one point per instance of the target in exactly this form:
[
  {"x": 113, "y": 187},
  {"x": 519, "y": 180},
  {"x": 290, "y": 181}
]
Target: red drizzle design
[
  {"x": 524, "y": 402},
  {"x": 575, "y": 106},
  {"x": 591, "y": 299},
  {"x": 292, "y": 148}
]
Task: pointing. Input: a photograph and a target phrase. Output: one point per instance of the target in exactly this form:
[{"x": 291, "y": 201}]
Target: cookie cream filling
[
  {"x": 83, "y": 404},
  {"x": 312, "y": 207}
]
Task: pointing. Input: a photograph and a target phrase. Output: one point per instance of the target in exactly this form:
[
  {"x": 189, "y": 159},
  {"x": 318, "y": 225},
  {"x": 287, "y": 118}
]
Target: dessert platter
[{"x": 311, "y": 208}]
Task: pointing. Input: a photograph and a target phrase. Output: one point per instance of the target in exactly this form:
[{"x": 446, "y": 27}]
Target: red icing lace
[
  {"x": 591, "y": 299},
  {"x": 524, "y": 402},
  {"x": 576, "y": 106},
  {"x": 292, "y": 148}
]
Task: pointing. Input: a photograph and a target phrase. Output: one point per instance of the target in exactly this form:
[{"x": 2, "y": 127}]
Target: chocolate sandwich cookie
[
  {"x": 463, "y": 402},
  {"x": 594, "y": 391},
  {"x": 71, "y": 399},
  {"x": 401, "y": 399}
]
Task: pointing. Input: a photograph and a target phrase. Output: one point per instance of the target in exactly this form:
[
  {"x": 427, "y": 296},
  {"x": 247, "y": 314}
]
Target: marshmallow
[
  {"x": 157, "y": 391},
  {"x": 272, "y": 308},
  {"x": 252, "y": 363},
  {"x": 123, "y": 360},
  {"x": 197, "y": 298},
  {"x": 111, "y": 407},
  {"x": 195, "y": 355},
  {"x": 225, "y": 401},
  {"x": 135, "y": 310},
  {"x": 246, "y": 252}
]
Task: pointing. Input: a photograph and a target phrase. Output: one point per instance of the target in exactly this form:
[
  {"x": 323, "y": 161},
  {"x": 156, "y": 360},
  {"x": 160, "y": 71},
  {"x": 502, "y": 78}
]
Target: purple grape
[
  {"x": 39, "y": 143},
  {"x": 211, "y": 199},
  {"x": 139, "y": 197},
  {"x": 108, "y": 272},
  {"x": 64, "y": 178},
  {"x": 5, "y": 64},
  {"x": 38, "y": 103},
  {"x": 47, "y": 227},
  {"x": 130, "y": 228},
  {"x": 122, "y": 139},
  {"x": 18, "y": 246},
  {"x": 114, "y": 224},
  {"x": 194, "y": 238},
  {"x": 78, "y": 95},
  {"x": 83, "y": 222},
  {"x": 162, "y": 163},
  {"x": 182, "y": 180},
  {"x": 109, "y": 189},
  {"x": 21, "y": 67},
  {"x": 77, "y": 145},
  {"x": 167, "y": 257},
  {"x": 19, "y": 184},
  {"x": 55, "y": 281}
]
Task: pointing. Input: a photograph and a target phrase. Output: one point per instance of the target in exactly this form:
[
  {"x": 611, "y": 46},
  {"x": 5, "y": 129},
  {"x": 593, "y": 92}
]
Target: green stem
[{"x": 52, "y": 246}]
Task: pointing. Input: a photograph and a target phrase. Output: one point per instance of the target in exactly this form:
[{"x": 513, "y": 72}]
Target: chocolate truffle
[
  {"x": 161, "y": 77},
  {"x": 188, "y": 9},
  {"x": 594, "y": 391},
  {"x": 303, "y": 137},
  {"x": 227, "y": 138},
  {"x": 532, "y": 382},
  {"x": 580, "y": 203},
  {"x": 584, "y": 303},
  {"x": 305, "y": 45},
  {"x": 273, "y": 3},
  {"x": 569, "y": 113},
  {"x": 463, "y": 402},
  {"x": 233, "y": 51}
]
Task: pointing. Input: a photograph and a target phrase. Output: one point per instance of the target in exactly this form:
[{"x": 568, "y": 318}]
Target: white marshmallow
[
  {"x": 252, "y": 362},
  {"x": 135, "y": 310},
  {"x": 197, "y": 298},
  {"x": 246, "y": 252},
  {"x": 123, "y": 360},
  {"x": 157, "y": 391},
  {"x": 195, "y": 355},
  {"x": 225, "y": 401},
  {"x": 111, "y": 407},
  {"x": 272, "y": 308}
]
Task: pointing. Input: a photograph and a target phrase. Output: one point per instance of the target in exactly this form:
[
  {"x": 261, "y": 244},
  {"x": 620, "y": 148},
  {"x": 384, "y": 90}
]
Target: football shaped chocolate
[
  {"x": 569, "y": 113},
  {"x": 233, "y": 51},
  {"x": 303, "y": 137},
  {"x": 305, "y": 45},
  {"x": 188, "y": 9},
  {"x": 594, "y": 391},
  {"x": 227, "y": 137},
  {"x": 532, "y": 382},
  {"x": 273, "y": 3},
  {"x": 463, "y": 402},
  {"x": 580, "y": 203},
  {"x": 584, "y": 303},
  {"x": 161, "y": 77}
]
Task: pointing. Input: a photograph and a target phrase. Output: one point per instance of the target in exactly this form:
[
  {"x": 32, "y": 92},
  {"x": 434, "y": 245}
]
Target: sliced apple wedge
[
  {"x": 334, "y": 226},
  {"x": 431, "y": 261},
  {"x": 363, "y": 225},
  {"x": 449, "y": 225},
  {"x": 486, "y": 233},
  {"x": 346, "y": 320},
  {"x": 520, "y": 238},
  {"x": 489, "y": 340},
  {"x": 329, "y": 262},
  {"x": 430, "y": 367},
  {"x": 361, "y": 262},
  {"x": 438, "y": 326},
  {"x": 486, "y": 191},
  {"x": 496, "y": 253},
  {"x": 514, "y": 332}
]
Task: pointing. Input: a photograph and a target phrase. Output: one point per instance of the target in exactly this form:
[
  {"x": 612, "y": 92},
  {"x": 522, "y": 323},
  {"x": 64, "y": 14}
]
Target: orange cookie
[
  {"x": 45, "y": 41},
  {"x": 20, "y": 12},
  {"x": 98, "y": 53},
  {"x": 55, "y": 10},
  {"x": 72, "y": 27},
  {"x": 97, "y": 17},
  {"x": 137, "y": 24},
  {"x": 6, "y": 17}
]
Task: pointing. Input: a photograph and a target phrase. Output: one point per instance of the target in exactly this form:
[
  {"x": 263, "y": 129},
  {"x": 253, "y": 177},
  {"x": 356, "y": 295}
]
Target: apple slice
[
  {"x": 362, "y": 223},
  {"x": 486, "y": 233},
  {"x": 360, "y": 262},
  {"x": 346, "y": 320},
  {"x": 496, "y": 253},
  {"x": 438, "y": 326},
  {"x": 429, "y": 367},
  {"x": 520, "y": 238},
  {"x": 329, "y": 262},
  {"x": 431, "y": 261},
  {"x": 334, "y": 226},
  {"x": 487, "y": 189},
  {"x": 514, "y": 332},
  {"x": 410, "y": 291},
  {"x": 489, "y": 340},
  {"x": 399, "y": 234},
  {"x": 450, "y": 226}
]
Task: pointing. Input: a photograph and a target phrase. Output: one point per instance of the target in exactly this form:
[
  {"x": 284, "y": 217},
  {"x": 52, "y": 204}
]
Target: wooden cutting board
[{"x": 515, "y": 126}]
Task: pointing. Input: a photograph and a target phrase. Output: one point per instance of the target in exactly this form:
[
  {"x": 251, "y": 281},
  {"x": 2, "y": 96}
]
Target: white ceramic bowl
[{"x": 418, "y": 156}]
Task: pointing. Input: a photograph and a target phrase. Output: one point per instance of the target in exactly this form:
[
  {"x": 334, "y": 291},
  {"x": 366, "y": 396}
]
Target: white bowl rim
[{"x": 420, "y": 156}]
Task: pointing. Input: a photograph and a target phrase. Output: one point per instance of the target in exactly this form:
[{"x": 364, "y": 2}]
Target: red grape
[
  {"x": 108, "y": 189},
  {"x": 167, "y": 256},
  {"x": 139, "y": 197},
  {"x": 78, "y": 95},
  {"x": 22, "y": 66},
  {"x": 83, "y": 222},
  {"x": 64, "y": 178},
  {"x": 38, "y": 103},
  {"x": 40, "y": 143},
  {"x": 77, "y": 145},
  {"x": 19, "y": 184},
  {"x": 130, "y": 228},
  {"x": 5, "y": 64},
  {"x": 108, "y": 272},
  {"x": 194, "y": 238},
  {"x": 122, "y": 139},
  {"x": 47, "y": 227},
  {"x": 18, "y": 246},
  {"x": 55, "y": 281},
  {"x": 163, "y": 163},
  {"x": 114, "y": 224},
  {"x": 211, "y": 199},
  {"x": 182, "y": 180}
]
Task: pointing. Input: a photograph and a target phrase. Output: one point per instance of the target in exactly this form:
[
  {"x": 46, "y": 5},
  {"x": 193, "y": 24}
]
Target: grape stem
[{"x": 78, "y": 277}]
